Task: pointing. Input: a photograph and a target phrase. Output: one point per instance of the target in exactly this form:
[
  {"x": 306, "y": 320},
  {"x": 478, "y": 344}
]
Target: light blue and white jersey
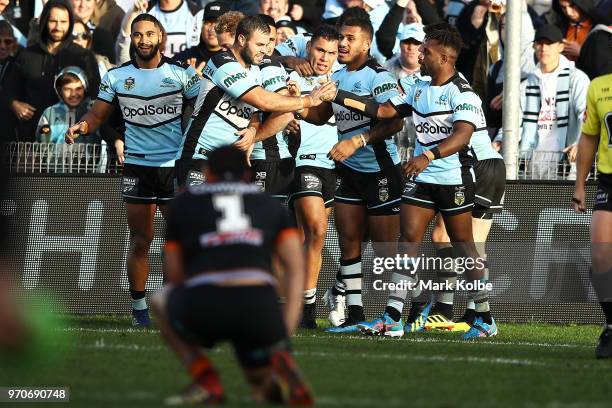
[
  {"x": 151, "y": 103},
  {"x": 273, "y": 79},
  {"x": 481, "y": 142},
  {"x": 315, "y": 141},
  {"x": 435, "y": 109},
  {"x": 370, "y": 80},
  {"x": 219, "y": 113},
  {"x": 296, "y": 47},
  {"x": 183, "y": 26},
  {"x": 481, "y": 146}
]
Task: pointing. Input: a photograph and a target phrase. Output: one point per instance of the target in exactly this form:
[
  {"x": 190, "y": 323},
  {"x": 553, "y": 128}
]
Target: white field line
[{"x": 101, "y": 344}]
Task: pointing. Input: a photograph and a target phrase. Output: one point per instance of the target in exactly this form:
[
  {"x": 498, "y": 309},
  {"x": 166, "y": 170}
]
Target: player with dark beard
[{"x": 150, "y": 90}]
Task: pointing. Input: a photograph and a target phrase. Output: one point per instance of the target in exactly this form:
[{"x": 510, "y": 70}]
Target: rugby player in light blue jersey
[
  {"x": 230, "y": 94},
  {"x": 293, "y": 53},
  {"x": 447, "y": 114},
  {"x": 271, "y": 161},
  {"x": 490, "y": 174},
  {"x": 150, "y": 91},
  {"x": 371, "y": 181},
  {"x": 314, "y": 182}
]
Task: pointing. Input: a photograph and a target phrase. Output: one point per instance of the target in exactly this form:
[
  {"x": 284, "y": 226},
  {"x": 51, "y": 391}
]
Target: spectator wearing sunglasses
[{"x": 90, "y": 39}]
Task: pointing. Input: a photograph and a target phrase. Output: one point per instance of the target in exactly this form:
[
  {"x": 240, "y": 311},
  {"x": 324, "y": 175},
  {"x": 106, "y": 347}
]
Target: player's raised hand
[
  {"x": 292, "y": 127},
  {"x": 80, "y": 128},
  {"x": 415, "y": 166},
  {"x": 324, "y": 93},
  {"x": 303, "y": 68},
  {"x": 294, "y": 88},
  {"x": 140, "y": 6},
  {"x": 246, "y": 137}
]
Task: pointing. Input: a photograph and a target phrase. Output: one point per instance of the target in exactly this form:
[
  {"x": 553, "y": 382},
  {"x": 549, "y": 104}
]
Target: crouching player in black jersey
[{"x": 217, "y": 259}]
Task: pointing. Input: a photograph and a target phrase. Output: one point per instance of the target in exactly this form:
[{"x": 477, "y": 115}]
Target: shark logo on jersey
[
  {"x": 356, "y": 87},
  {"x": 129, "y": 83},
  {"x": 167, "y": 83},
  {"x": 442, "y": 100}
]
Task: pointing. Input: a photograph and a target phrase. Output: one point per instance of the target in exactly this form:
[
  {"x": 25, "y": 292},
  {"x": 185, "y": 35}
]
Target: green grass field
[{"x": 528, "y": 365}]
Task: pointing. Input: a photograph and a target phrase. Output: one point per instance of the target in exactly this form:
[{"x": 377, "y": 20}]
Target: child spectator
[{"x": 71, "y": 87}]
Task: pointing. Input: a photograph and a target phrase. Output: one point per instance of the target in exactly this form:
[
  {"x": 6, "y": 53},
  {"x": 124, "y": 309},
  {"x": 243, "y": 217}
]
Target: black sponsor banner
[{"x": 69, "y": 234}]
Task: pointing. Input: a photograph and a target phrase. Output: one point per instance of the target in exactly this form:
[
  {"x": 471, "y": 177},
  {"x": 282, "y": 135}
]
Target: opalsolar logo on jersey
[
  {"x": 231, "y": 110},
  {"x": 348, "y": 115},
  {"x": 149, "y": 110},
  {"x": 428, "y": 128}
]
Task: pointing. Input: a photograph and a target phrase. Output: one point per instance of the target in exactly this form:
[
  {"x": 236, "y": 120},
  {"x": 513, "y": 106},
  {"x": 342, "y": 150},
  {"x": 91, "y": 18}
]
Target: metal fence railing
[
  {"x": 26, "y": 157},
  {"x": 22, "y": 157}
]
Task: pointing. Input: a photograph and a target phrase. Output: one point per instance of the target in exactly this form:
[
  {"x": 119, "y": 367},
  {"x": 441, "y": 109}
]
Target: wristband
[
  {"x": 575, "y": 200},
  {"x": 363, "y": 140},
  {"x": 436, "y": 153},
  {"x": 429, "y": 155}
]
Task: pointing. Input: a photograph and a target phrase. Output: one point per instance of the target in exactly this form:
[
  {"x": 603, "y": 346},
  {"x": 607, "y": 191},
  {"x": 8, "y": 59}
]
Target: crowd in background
[{"x": 564, "y": 45}]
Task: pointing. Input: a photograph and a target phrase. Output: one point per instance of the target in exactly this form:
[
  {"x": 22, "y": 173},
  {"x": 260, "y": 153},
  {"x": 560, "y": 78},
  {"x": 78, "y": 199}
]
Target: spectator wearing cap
[
  {"x": 576, "y": 25},
  {"x": 405, "y": 67},
  {"x": 406, "y": 61},
  {"x": 285, "y": 29},
  {"x": 553, "y": 102},
  {"x": 209, "y": 44},
  {"x": 403, "y": 12}
]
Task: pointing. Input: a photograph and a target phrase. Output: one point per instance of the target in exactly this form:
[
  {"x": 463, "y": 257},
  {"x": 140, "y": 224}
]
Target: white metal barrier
[{"x": 21, "y": 157}]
